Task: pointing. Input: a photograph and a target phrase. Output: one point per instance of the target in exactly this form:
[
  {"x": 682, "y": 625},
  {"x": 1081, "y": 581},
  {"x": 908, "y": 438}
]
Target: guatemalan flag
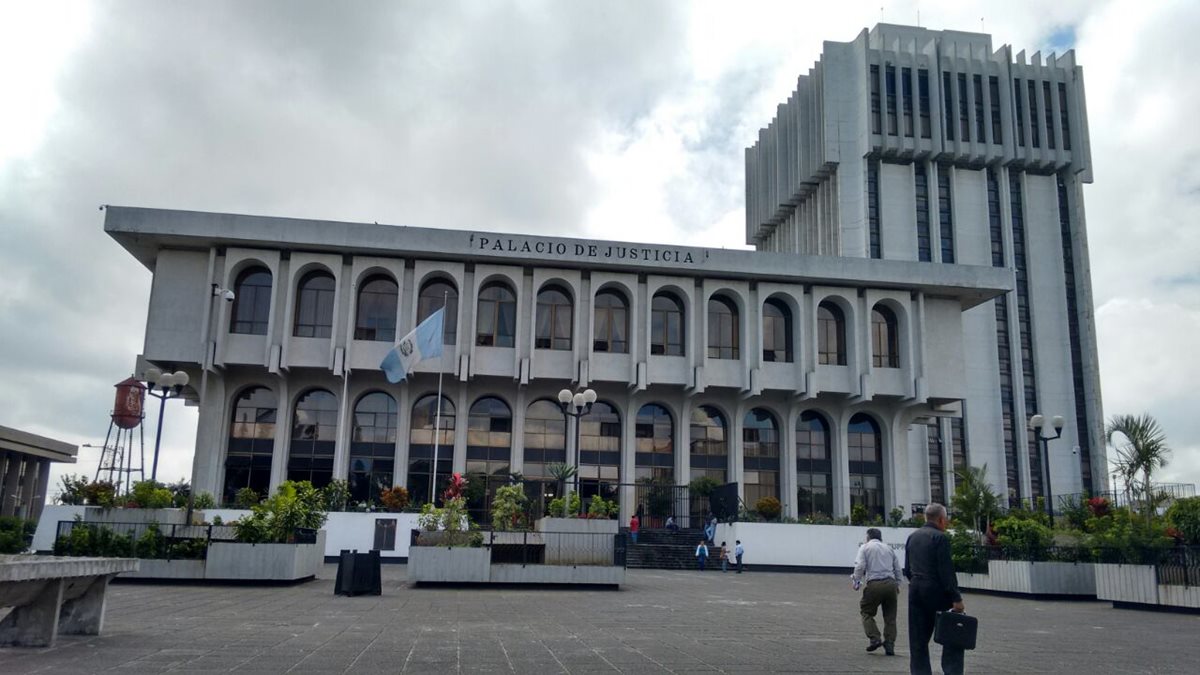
[{"x": 423, "y": 343}]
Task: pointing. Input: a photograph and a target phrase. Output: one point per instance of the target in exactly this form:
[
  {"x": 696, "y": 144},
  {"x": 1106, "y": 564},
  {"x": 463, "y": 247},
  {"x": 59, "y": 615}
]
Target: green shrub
[
  {"x": 204, "y": 501},
  {"x": 148, "y": 494},
  {"x": 574, "y": 504},
  {"x": 703, "y": 485},
  {"x": 896, "y": 516},
  {"x": 507, "y": 507},
  {"x": 859, "y": 515},
  {"x": 965, "y": 552},
  {"x": 768, "y": 507},
  {"x": 15, "y": 534},
  {"x": 294, "y": 505},
  {"x": 73, "y": 490},
  {"x": 246, "y": 498},
  {"x": 1184, "y": 515},
  {"x": 558, "y": 507},
  {"x": 1023, "y": 539},
  {"x": 100, "y": 493},
  {"x": 598, "y": 507},
  {"x": 336, "y": 494},
  {"x": 151, "y": 544}
]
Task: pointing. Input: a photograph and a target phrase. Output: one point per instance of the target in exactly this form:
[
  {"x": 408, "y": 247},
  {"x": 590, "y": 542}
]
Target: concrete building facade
[
  {"x": 929, "y": 146},
  {"x": 920, "y": 287},
  {"x": 25, "y": 470}
]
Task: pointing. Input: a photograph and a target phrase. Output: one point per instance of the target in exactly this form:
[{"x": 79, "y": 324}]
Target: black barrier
[
  {"x": 358, "y": 574},
  {"x": 724, "y": 502}
]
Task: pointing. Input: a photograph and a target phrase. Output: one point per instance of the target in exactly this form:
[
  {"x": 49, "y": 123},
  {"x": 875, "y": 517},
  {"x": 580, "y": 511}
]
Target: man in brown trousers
[{"x": 878, "y": 566}]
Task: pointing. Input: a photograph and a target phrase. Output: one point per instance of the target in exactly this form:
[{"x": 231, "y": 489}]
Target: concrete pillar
[
  {"x": 12, "y": 485},
  {"x": 33, "y": 621},
  {"x": 84, "y": 613}
]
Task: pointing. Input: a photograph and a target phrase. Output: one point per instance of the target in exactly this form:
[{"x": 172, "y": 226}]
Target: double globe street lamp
[
  {"x": 576, "y": 405},
  {"x": 163, "y": 386},
  {"x": 1038, "y": 424}
]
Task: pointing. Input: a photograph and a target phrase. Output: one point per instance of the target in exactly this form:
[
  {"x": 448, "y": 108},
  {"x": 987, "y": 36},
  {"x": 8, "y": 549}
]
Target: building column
[
  {"x": 283, "y": 435},
  {"x": 43, "y": 487},
  {"x": 628, "y": 458},
  {"x": 787, "y": 461},
  {"x": 12, "y": 485},
  {"x": 840, "y": 463},
  {"x": 403, "y": 434}
]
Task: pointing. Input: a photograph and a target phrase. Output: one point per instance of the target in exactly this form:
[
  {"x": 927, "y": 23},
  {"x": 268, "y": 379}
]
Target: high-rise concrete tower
[{"x": 922, "y": 145}]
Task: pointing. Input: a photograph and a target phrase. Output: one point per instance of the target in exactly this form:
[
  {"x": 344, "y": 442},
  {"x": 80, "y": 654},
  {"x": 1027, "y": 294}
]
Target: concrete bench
[{"x": 49, "y": 595}]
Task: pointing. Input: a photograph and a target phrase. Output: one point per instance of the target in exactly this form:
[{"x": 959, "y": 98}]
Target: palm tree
[
  {"x": 1144, "y": 452},
  {"x": 973, "y": 497}
]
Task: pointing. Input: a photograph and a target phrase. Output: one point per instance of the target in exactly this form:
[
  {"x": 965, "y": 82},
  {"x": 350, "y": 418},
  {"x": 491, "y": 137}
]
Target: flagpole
[{"x": 437, "y": 424}]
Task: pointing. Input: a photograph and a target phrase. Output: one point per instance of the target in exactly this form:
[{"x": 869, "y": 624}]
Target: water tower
[{"x": 118, "y": 459}]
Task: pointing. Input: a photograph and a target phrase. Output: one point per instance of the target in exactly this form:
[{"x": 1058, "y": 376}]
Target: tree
[
  {"x": 561, "y": 473},
  {"x": 1144, "y": 452},
  {"x": 974, "y": 500}
]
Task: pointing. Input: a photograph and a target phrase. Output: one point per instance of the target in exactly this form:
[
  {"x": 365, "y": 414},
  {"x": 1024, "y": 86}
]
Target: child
[
  {"x": 633, "y": 528},
  {"x": 725, "y": 554},
  {"x": 702, "y": 554}
]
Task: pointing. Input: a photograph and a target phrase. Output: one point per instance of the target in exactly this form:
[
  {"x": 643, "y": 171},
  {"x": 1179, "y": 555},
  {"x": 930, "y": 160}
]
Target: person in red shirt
[{"x": 633, "y": 528}]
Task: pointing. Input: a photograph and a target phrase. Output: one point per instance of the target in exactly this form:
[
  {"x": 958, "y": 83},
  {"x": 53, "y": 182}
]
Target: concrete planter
[
  {"x": 449, "y": 565},
  {"x": 167, "y": 569},
  {"x": 265, "y": 562},
  {"x": 578, "y": 525},
  {"x": 1138, "y": 584},
  {"x": 1034, "y": 578}
]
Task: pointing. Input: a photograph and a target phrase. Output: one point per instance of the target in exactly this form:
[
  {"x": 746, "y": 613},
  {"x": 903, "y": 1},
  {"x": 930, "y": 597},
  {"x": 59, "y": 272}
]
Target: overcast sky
[{"x": 621, "y": 120}]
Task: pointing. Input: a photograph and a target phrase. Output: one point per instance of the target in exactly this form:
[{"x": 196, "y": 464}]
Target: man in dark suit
[{"x": 932, "y": 588}]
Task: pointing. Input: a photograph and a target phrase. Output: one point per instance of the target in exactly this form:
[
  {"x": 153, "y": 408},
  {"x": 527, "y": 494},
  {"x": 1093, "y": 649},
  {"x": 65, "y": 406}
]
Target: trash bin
[{"x": 358, "y": 574}]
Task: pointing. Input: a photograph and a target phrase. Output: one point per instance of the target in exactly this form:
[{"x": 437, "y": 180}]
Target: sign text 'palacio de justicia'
[{"x": 632, "y": 252}]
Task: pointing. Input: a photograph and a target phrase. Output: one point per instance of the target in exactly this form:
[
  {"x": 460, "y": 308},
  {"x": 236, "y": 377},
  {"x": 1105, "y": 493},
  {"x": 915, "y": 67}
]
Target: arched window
[
  {"x": 666, "y": 325},
  {"x": 251, "y": 310},
  {"x": 885, "y": 338},
  {"x": 489, "y": 448},
  {"x": 496, "y": 319},
  {"x": 723, "y": 338},
  {"x": 611, "y": 332},
  {"x": 553, "y": 319},
  {"x": 251, "y": 443},
  {"x": 600, "y": 452},
  {"x": 777, "y": 331},
  {"x": 489, "y": 437},
  {"x": 865, "y": 449},
  {"x": 421, "y": 442},
  {"x": 376, "y": 316},
  {"x": 655, "y": 455},
  {"x": 314, "y": 305},
  {"x": 831, "y": 335},
  {"x": 545, "y": 436},
  {"x": 434, "y": 295},
  {"x": 314, "y": 435},
  {"x": 372, "y": 447},
  {"x": 760, "y": 456},
  {"x": 814, "y": 466},
  {"x": 710, "y": 444}
]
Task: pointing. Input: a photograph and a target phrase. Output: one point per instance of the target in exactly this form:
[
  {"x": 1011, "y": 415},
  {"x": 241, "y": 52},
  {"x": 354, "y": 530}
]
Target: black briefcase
[{"x": 954, "y": 629}]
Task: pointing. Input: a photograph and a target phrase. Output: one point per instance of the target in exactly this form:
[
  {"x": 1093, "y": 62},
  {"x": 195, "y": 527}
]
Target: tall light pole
[
  {"x": 576, "y": 405},
  {"x": 1038, "y": 423},
  {"x": 163, "y": 386}
]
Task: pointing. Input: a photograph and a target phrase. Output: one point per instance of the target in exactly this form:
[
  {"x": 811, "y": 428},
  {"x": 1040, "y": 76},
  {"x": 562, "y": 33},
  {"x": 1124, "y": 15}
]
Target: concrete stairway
[{"x": 665, "y": 550}]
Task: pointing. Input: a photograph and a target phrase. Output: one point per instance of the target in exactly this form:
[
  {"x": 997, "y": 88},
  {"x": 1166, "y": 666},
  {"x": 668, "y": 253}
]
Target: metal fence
[
  {"x": 138, "y": 540},
  {"x": 527, "y": 547},
  {"x": 1177, "y": 565}
]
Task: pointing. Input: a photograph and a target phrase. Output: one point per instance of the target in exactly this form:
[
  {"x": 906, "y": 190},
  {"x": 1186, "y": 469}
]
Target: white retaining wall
[
  {"x": 805, "y": 545},
  {"x": 1139, "y": 584}
]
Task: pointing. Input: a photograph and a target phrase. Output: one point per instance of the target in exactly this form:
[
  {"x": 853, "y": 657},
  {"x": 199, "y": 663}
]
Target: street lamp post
[
  {"x": 1038, "y": 423},
  {"x": 576, "y": 405},
  {"x": 163, "y": 386}
]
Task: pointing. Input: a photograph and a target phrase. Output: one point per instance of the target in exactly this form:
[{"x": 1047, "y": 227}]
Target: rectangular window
[
  {"x": 945, "y": 214},
  {"x": 923, "y": 100},
  {"x": 994, "y": 225},
  {"x": 906, "y": 89},
  {"x": 873, "y": 208},
  {"x": 994, "y": 95},
  {"x": 1019, "y": 112},
  {"x": 1066, "y": 119},
  {"x": 948, "y": 117},
  {"x": 937, "y": 476},
  {"x": 1048, "y": 109},
  {"x": 1034, "y": 122},
  {"x": 875, "y": 103},
  {"x": 963, "y": 118},
  {"x": 977, "y": 89},
  {"x": 890, "y": 82},
  {"x": 924, "y": 246}
]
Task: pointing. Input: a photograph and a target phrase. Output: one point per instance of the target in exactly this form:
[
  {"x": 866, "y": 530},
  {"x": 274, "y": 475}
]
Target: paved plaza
[{"x": 660, "y": 621}]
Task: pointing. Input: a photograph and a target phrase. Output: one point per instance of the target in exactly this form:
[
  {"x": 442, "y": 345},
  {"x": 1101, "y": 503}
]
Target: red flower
[{"x": 455, "y": 488}]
